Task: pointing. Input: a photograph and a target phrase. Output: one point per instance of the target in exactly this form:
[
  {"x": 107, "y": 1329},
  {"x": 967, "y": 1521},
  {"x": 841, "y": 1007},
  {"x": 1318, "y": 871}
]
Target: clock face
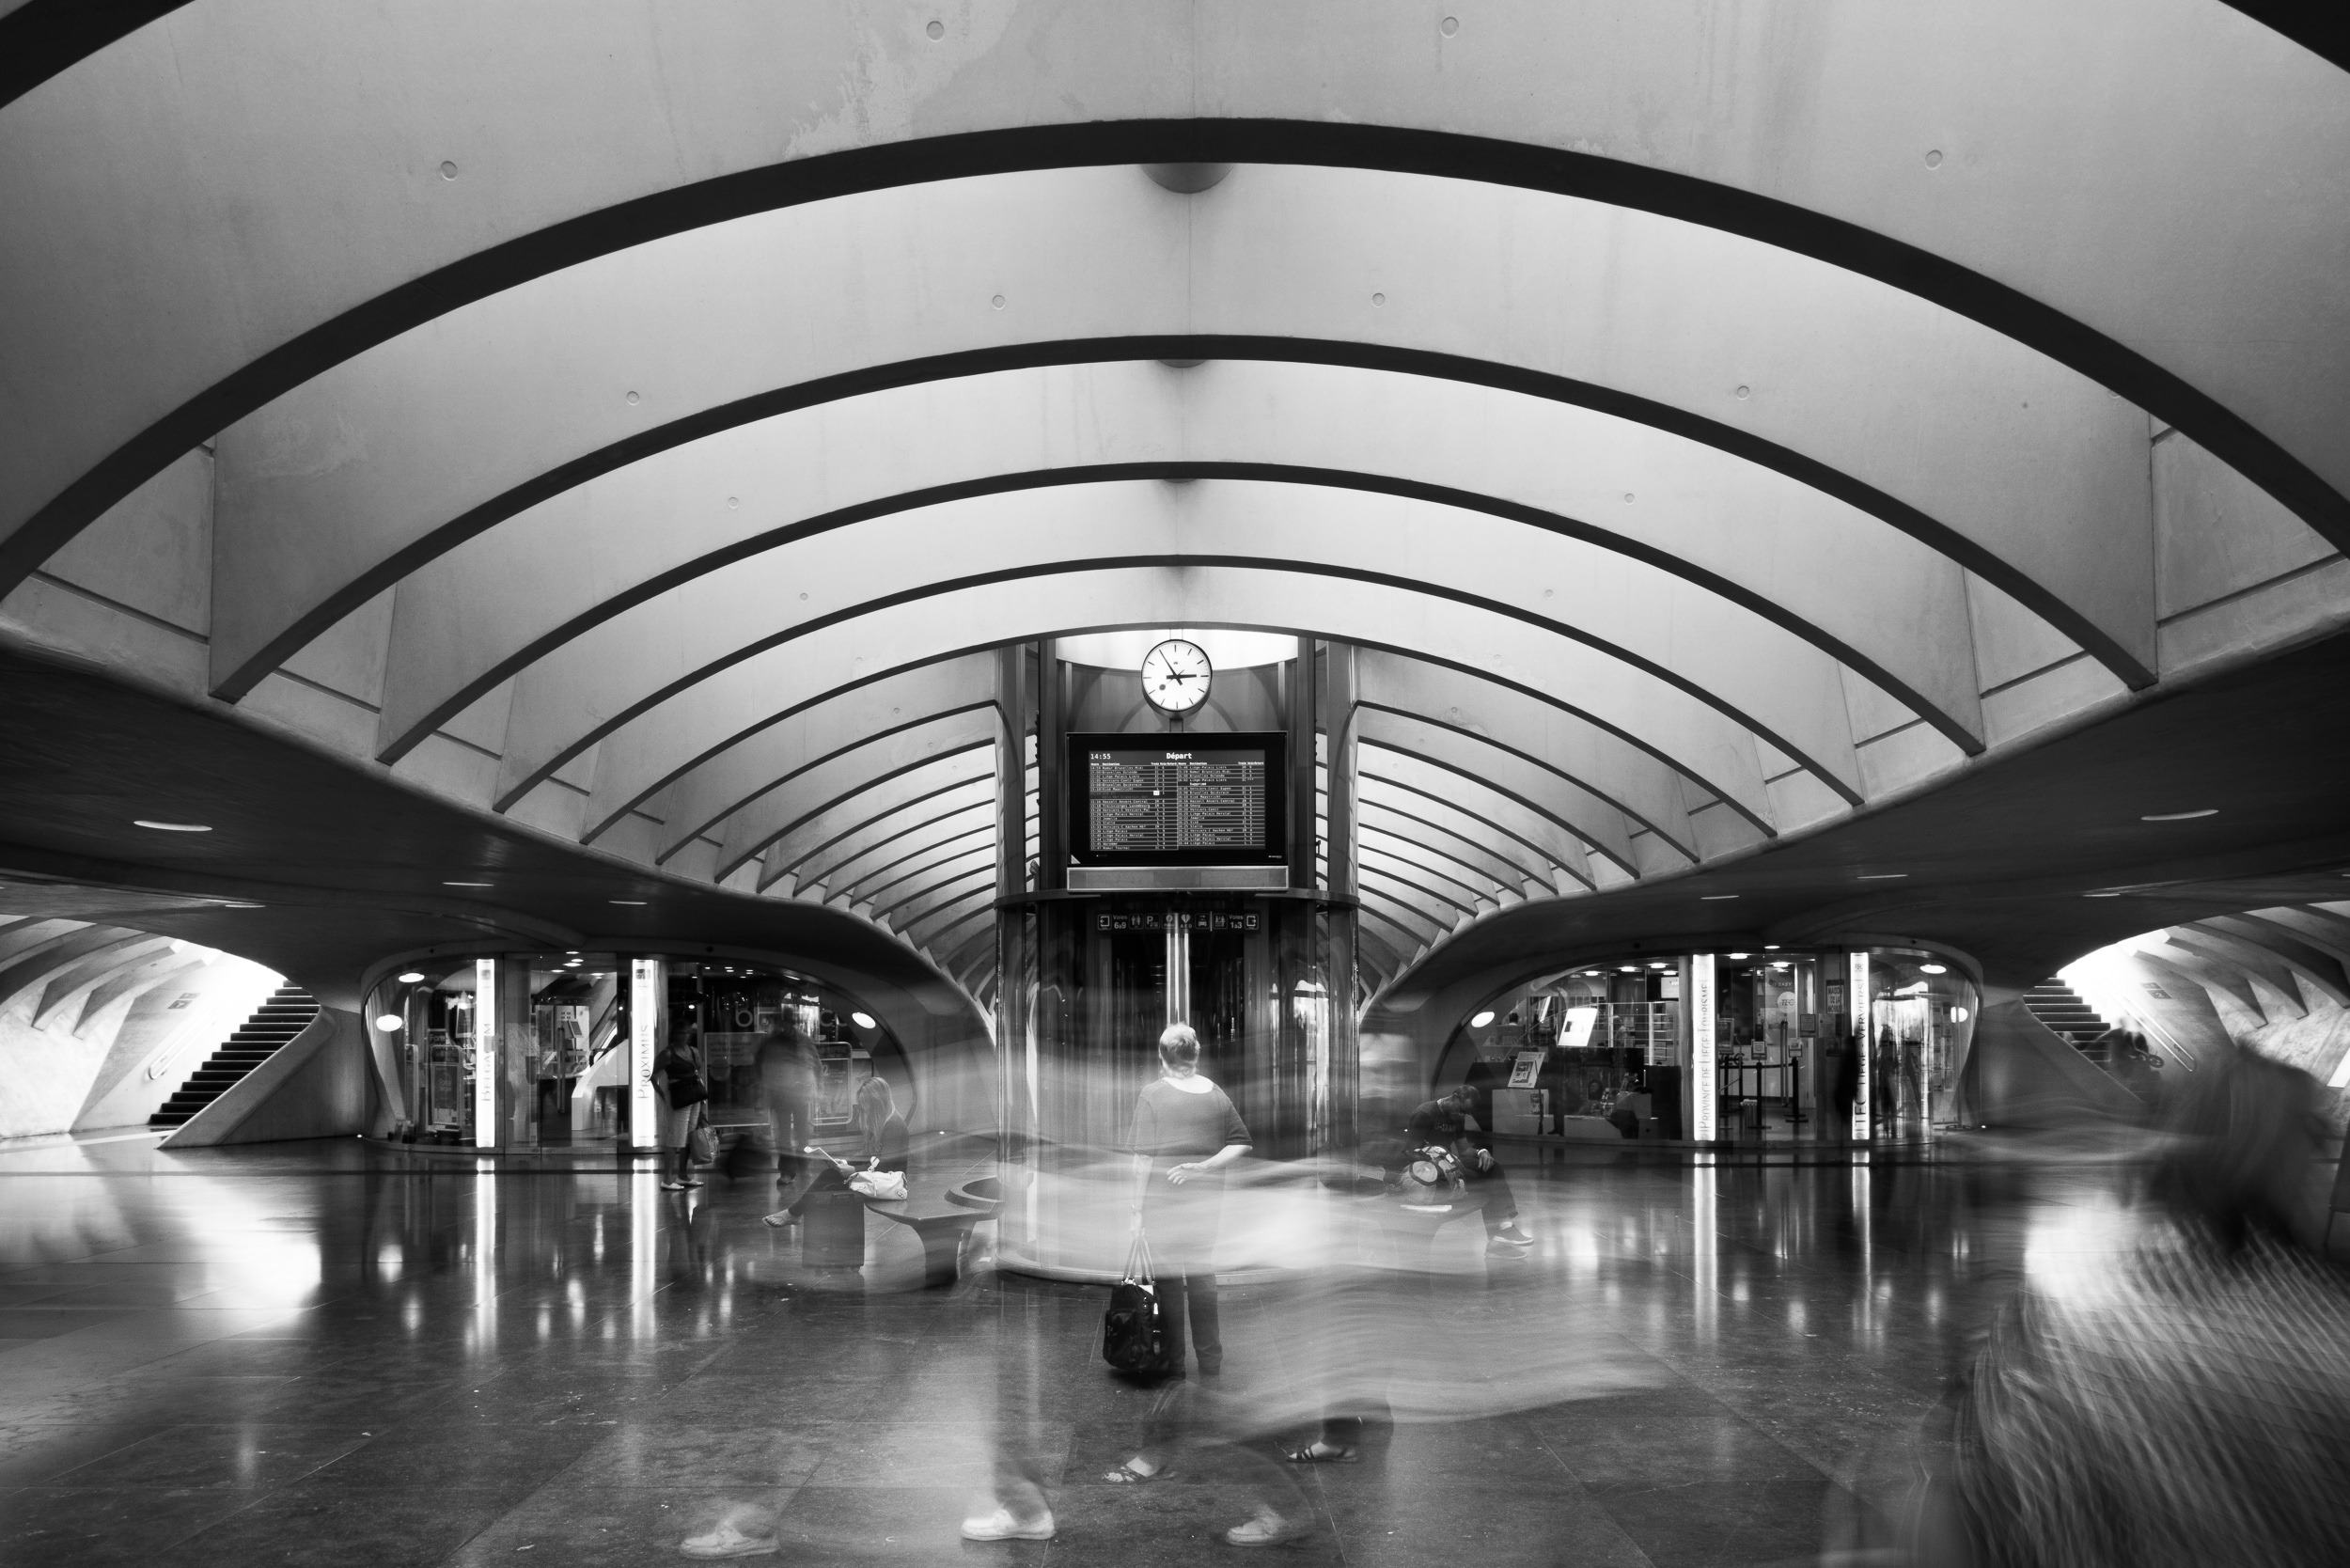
[{"x": 1175, "y": 676}]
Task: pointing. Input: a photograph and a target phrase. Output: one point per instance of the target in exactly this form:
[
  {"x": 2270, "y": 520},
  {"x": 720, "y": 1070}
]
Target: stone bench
[{"x": 942, "y": 1220}]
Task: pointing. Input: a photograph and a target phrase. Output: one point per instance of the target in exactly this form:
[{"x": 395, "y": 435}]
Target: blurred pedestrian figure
[
  {"x": 1443, "y": 1124},
  {"x": 1186, "y": 1132},
  {"x": 884, "y": 1132},
  {"x": 2191, "y": 1406},
  {"x": 680, "y": 1089},
  {"x": 787, "y": 1085}
]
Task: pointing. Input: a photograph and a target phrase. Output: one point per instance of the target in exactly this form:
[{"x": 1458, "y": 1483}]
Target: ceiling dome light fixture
[
  {"x": 390, "y": 1023},
  {"x": 1735, "y": 957},
  {"x": 1656, "y": 963},
  {"x": 1631, "y": 968},
  {"x": 2180, "y": 816},
  {"x": 1933, "y": 969},
  {"x": 410, "y": 977},
  {"x": 1481, "y": 1019},
  {"x": 863, "y": 1020},
  {"x": 170, "y": 828}
]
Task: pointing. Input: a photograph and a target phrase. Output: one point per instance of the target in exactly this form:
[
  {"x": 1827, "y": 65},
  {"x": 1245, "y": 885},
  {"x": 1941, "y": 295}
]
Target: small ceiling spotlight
[
  {"x": 409, "y": 977},
  {"x": 170, "y": 828},
  {"x": 390, "y": 1023},
  {"x": 1481, "y": 1019},
  {"x": 2180, "y": 816}
]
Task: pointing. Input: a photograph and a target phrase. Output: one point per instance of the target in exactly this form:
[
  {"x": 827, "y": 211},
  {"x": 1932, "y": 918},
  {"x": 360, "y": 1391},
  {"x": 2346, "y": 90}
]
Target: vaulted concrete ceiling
[{"x": 641, "y": 430}]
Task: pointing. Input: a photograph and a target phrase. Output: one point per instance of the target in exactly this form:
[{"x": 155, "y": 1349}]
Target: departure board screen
[{"x": 1215, "y": 800}]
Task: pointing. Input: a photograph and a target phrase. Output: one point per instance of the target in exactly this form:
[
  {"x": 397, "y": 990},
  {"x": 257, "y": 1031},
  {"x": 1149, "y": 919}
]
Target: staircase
[
  {"x": 2056, "y": 1005},
  {"x": 287, "y": 1013}
]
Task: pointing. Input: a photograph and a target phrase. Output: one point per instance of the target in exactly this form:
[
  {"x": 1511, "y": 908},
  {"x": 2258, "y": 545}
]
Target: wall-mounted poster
[
  {"x": 1574, "y": 1028},
  {"x": 1524, "y": 1067}
]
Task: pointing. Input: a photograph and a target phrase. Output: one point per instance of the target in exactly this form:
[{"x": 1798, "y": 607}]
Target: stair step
[{"x": 265, "y": 1031}]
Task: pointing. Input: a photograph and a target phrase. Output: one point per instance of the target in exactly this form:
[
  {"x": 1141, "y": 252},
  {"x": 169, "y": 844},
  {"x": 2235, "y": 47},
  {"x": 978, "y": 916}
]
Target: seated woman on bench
[{"x": 876, "y": 1116}]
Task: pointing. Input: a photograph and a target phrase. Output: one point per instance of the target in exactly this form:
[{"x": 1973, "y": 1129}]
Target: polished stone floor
[{"x": 316, "y": 1353}]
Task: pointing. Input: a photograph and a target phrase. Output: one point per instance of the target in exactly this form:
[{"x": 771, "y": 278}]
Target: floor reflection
[{"x": 224, "y": 1356}]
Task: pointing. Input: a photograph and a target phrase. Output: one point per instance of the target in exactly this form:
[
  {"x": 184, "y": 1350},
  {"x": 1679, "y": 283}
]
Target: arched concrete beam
[
  {"x": 855, "y": 767},
  {"x": 2327, "y": 932},
  {"x": 1449, "y": 880},
  {"x": 39, "y": 962},
  {"x": 1413, "y": 930},
  {"x": 2081, "y": 144},
  {"x": 22, "y": 937},
  {"x": 909, "y": 855},
  {"x": 1542, "y": 790},
  {"x": 66, "y": 984},
  {"x": 945, "y": 866},
  {"x": 960, "y": 754},
  {"x": 2326, "y": 966},
  {"x": 1889, "y": 403},
  {"x": 1388, "y": 774},
  {"x": 1490, "y": 854},
  {"x": 793, "y": 841},
  {"x": 1448, "y": 906},
  {"x": 850, "y": 863},
  {"x": 903, "y": 812},
  {"x": 1882, "y": 601},
  {"x": 695, "y": 799},
  {"x": 76, "y": 1008},
  {"x": 1633, "y": 780},
  {"x": 918, "y": 921},
  {"x": 1628, "y": 626}
]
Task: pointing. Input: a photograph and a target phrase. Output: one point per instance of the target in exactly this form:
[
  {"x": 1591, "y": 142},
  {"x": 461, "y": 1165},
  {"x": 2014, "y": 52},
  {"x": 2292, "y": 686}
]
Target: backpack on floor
[{"x": 1138, "y": 1339}]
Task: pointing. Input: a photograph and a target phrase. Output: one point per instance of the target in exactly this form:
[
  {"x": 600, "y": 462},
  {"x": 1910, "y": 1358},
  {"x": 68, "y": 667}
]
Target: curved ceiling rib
[
  {"x": 2150, "y": 100},
  {"x": 1875, "y": 598},
  {"x": 1615, "y": 632},
  {"x": 1868, "y": 395}
]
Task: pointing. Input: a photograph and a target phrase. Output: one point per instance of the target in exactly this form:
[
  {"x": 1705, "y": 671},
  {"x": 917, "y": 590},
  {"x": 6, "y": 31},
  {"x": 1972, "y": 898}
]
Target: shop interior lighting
[
  {"x": 1782, "y": 963},
  {"x": 1958, "y": 1015},
  {"x": 1735, "y": 957},
  {"x": 389, "y": 1023},
  {"x": 863, "y": 1020},
  {"x": 1933, "y": 969},
  {"x": 1656, "y": 963},
  {"x": 2180, "y": 816},
  {"x": 1481, "y": 1019},
  {"x": 410, "y": 977},
  {"x": 1770, "y": 947},
  {"x": 1631, "y": 968},
  {"x": 170, "y": 828}
]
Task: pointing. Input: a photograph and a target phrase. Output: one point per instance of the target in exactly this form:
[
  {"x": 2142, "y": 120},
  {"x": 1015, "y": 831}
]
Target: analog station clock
[{"x": 1175, "y": 676}]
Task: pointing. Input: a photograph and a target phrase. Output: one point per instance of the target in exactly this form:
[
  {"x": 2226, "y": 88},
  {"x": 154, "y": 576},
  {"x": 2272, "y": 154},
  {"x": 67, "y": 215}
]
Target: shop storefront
[
  {"x": 1744, "y": 1045},
  {"x": 541, "y": 1050}
]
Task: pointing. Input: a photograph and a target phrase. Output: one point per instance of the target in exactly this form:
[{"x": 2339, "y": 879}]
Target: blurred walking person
[{"x": 787, "y": 1087}]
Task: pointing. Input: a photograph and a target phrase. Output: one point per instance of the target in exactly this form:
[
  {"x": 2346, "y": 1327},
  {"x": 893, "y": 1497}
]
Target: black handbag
[
  {"x": 1138, "y": 1339},
  {"x": 686, "y": 1086}
]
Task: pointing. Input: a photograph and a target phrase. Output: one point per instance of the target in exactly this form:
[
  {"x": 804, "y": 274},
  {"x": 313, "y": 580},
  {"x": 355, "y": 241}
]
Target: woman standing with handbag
[
  {"x": 1186, "y": 1132},
  {"x": 680, "y": 1088}
]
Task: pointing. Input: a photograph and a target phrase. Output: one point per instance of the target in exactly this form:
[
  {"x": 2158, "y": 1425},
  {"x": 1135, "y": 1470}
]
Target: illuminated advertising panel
[
  {"x": 1859, "y": 977},
  {"x": 644, "y": 1042},
  {"x": 485, "y": 1052},
  {"x": 1705, "y": 1083}
]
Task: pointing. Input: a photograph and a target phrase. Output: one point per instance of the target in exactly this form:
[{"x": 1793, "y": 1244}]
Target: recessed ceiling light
[
  {"x": 1770, "y": 947},
  {"x": 390, "y": 1023},
  {"x": 1656, "y": 963},
  {"x": 1933, "y": 969},
  {"x": 2101, "y": 895},
  {"x": 639, "y": 903},
  {"x": 1880, "y": 876},
  {"x": 411, "y": 978},
  {"x": 1631, "y": 968},
  {"x": 863, "y": 1020},
  {"x": 231, "y": 903},
  {"x": 170, "y": 828},
  {"x": 1481, "y": 1019},
  {"x": 2180, "y": 816},
  {"x": 464, "y": 884},
  {"x": 1734, "y": 957},
  {"x": 1714, "y": 898}
]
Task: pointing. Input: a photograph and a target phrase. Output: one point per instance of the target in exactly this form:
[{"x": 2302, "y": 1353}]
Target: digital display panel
[{"x": 1208, "y": 800}]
